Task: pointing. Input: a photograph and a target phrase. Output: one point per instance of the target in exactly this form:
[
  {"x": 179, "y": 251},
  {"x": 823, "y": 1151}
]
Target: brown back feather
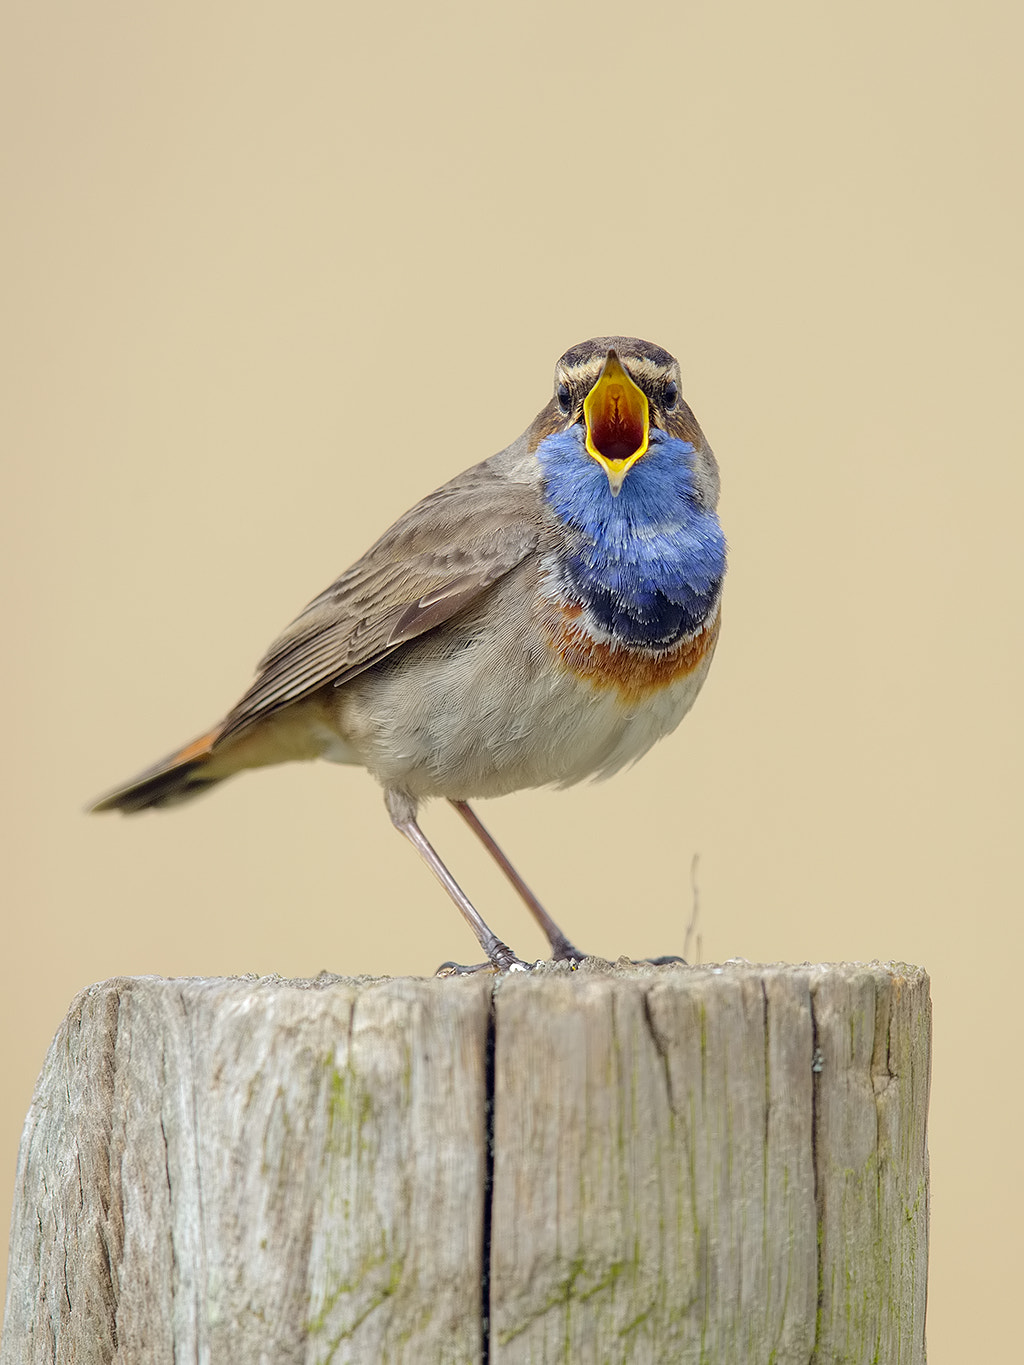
[{"x": 428, "y": 567}]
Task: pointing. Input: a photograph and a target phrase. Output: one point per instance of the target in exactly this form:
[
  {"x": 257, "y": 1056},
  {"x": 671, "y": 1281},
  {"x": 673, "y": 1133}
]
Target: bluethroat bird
[{"x": 542, "y": 618}]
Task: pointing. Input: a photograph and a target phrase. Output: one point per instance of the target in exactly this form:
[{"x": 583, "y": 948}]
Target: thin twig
[{"x": 694, "y": 915}]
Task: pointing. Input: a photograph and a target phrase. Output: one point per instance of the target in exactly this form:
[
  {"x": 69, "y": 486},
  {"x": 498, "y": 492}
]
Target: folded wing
[{"x": 428, "y": 567}]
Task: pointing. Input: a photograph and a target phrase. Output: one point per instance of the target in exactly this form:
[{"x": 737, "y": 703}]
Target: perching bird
[{"x": 542, "y": 618}]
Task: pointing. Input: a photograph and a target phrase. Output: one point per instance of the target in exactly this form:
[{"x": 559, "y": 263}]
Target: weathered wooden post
[{"x": 719, "y": 1164}]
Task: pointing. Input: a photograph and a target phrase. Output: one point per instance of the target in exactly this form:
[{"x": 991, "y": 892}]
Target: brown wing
[{"x": 432, "y": 563}]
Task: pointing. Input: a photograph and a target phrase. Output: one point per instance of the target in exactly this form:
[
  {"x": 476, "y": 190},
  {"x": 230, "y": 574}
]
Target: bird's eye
[
  {"x": 669, "y": 396},
  {"x": 564, "y": 398}
]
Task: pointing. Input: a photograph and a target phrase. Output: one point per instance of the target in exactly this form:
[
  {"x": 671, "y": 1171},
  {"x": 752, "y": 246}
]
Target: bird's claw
[
  {"x": 460, "y": 969},
  {"x": 503, "y": 960}
]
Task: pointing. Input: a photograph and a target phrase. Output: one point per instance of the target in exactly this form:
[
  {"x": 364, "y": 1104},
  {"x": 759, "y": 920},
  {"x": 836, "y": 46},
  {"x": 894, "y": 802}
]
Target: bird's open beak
[{"x": 618, "y": 422}]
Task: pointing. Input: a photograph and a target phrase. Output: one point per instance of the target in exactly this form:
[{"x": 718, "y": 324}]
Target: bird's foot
[
  {"x": 501, "y": 959},
  {"x": 460, "y": 968},
  {"x": 664, "y": 961},
  {"x": 564, "y": 951}
]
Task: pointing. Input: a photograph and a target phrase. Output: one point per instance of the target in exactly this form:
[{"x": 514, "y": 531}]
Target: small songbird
[{"x": 542, "y": 618}]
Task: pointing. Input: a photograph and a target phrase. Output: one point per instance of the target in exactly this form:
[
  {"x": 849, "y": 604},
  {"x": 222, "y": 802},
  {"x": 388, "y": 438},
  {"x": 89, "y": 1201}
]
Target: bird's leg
[
  {"x": 402, "y": 810},
  {"x": 561, "y": 949}
]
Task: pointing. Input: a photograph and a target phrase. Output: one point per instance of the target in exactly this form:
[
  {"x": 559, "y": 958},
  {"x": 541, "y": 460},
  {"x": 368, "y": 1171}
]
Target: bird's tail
[{"x": 178, "y": 777}]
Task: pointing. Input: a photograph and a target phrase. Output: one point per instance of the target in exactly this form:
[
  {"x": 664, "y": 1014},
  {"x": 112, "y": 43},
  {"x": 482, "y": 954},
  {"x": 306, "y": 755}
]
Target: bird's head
[{"x": 617, "y": 389}]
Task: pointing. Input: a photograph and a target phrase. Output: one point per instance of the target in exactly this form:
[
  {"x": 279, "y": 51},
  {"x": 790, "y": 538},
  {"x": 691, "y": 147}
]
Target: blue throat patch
[{"x": 648, "y": 564}]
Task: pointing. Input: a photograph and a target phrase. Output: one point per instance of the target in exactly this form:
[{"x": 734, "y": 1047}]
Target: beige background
[{"x": 275, "y": 271}]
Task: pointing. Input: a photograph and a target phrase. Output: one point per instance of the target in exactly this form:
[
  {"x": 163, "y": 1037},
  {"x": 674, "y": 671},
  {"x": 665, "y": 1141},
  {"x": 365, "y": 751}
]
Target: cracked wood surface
[{"x": 654, "y": 1165}]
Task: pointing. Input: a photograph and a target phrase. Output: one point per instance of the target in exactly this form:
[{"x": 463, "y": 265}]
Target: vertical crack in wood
[
  {"x": 490, "y": 1048},
  {"x": 194, "y": 1052},
  {"x": 879, "y": 1085},
  {"x": 167, "y": 1175},
  {"x": 110, "y": 1213},
  {"x": 767, "y": 1086},
  {"x": 765, "y": 1161},
  {"x": 816, "y": 1064},
  {"x": 661, "y": 1048}
]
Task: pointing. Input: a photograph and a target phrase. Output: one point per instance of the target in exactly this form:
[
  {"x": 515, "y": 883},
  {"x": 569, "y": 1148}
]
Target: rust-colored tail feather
[{"x": 178, "y": 777}]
